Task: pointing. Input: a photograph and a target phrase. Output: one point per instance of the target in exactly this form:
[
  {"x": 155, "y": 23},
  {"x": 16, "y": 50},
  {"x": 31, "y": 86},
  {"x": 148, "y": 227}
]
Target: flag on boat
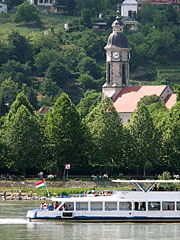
[{"x": 40, "y": 185}]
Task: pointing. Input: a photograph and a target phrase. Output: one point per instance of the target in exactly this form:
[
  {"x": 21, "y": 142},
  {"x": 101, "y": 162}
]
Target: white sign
[{"x": 67, "y": 166}]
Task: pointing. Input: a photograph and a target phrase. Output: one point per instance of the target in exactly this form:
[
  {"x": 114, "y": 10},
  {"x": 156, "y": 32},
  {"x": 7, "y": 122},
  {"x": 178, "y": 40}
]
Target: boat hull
[{"x": 108, "y": 220}]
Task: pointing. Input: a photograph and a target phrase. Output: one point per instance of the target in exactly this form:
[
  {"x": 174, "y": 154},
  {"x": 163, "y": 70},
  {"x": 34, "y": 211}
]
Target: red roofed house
[
  {"x": 117, "y": 86},
  {"x": 174, "y": 3}
]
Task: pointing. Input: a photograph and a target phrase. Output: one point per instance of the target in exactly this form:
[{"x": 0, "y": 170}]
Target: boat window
[
  {"x": 125, "y": 206},
  {"x": 140, "y": 206},
  {"x": 96, "y": 206},
  {"x": 110, "y": 206},
  {"x": 178, "y": 206},
  {"x": 69, "y": 206},
  {"x": 82, "y": 206},
  {"x": 168, "y": 206},
  {"x": 154, "y": 206}
]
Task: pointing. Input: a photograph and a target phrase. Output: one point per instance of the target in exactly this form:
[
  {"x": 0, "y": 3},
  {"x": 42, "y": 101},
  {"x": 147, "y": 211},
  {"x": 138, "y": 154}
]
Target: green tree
[
  {"x": 105, "y": 127},
  {"x": 93, "y": 44},
  {"x": 66, "y": 6},
  {"x": 21, "y": 99},
  {"x": 171, "y": 14},
  {"x": 171, "y": 139},
  {"x": 146, "y": 140},
  {"x": 65, "y": 133},
  {"x": 145, "y": 14},
  {"x": 21, "y": 49},
  {"x": 160, "y": 20},
  {"x": 19, "y": 73},
  {"x": 86, "y": 81},
  {"x": 3, "y": 107},
  {"x": 49, "y": 88},
  {"x": 58, "y": 72},
  {"x": 12, "y": 3},
  {"x": 5, "y": 52},
  {"x": 24, "y": 139},
  {"x": 88, "y": 102},
  {"x": 27, "y": 12},
  {"x": 9, "y": 91},
  {"x": 148, "y": 100},
  {"x": 86, "y": 16},
  {"x": 44, "y": 58},
  {"x": 88, "y": 65}
]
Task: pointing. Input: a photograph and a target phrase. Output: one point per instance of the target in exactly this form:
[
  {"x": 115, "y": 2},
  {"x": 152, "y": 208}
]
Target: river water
[{"x": 13, "y": 225}]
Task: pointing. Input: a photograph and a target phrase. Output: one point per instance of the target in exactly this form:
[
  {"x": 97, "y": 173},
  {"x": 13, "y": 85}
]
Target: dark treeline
[{"x": 98, "y": 143}]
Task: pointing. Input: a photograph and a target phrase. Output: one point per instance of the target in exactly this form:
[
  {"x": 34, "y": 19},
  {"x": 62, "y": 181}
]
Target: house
[
  {"x": 46, "y": 3},
  {"x": 174, "y": 3},
  {"x": 130, "y": 22},
  {"x": 128, "y": 7},
  {"x": 102, "y": 26},
  {"x": 3, "y": 7},
  {"x": 124, "y": 96}
]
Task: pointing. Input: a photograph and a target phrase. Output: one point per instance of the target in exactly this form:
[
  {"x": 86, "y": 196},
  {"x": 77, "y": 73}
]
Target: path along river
[{"x": 13, "y": 226}]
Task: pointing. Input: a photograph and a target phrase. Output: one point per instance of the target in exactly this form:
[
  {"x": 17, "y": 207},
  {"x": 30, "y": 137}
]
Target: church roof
[
  {"x": 170, "y": 101},
  {"x": 126, "y": 101},
  {"x": 117, "y": 39}
]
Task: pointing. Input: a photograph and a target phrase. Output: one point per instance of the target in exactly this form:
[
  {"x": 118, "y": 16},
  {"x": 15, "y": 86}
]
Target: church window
[
  {"x": 109, "y": 72},
  {"x": 123, "y": 75}
]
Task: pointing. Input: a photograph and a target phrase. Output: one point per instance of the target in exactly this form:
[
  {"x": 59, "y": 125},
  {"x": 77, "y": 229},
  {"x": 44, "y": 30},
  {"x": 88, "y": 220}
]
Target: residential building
[
  {"x": 174, "y": 3},
  {"x": 46, "y": 3},
  {"x": 3, "y": 7}
]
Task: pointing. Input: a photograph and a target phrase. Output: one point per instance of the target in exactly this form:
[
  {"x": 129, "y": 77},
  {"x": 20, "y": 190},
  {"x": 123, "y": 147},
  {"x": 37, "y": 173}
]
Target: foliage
[
  {"x": 65, "y": 133},
  {"x": 23, "y": 138},
  {"x": 88, "y": 102},
  {"x": 146, "y": 140},
  {"x": 13, "y": 3},
  {"x": 21, "y": 47},
  {"x": 26, "y": 12},
  {"x": 147, "y": 100},
  {"x": 105, "y": 127},
  {"x": 171, "y": 138}
]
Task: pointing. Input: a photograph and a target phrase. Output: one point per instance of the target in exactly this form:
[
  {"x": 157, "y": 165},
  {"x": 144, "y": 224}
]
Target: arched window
[
  {"x": 123, "y": 74},
  {"x": 109, "y": 73}
]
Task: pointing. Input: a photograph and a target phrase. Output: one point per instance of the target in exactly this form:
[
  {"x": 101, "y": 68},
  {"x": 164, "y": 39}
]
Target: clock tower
[{"x": 117, "y": 61}]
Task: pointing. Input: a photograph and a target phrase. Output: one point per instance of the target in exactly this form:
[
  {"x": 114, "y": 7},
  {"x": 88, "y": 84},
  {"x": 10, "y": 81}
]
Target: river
[{"x": 14, "y": 226}]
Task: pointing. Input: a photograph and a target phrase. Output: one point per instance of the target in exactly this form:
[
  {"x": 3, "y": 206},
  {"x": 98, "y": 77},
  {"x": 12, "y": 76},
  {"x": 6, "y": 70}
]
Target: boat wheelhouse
[{"x": 146, "y": 204}]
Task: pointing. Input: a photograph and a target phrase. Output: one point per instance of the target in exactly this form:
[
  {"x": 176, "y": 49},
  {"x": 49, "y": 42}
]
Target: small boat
[{"x": 146, "y": 203}]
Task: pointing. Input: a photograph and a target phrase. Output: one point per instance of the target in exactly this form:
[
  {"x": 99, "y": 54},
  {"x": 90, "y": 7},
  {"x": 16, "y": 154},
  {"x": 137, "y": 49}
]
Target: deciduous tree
[{"x": 65, "y": 133}]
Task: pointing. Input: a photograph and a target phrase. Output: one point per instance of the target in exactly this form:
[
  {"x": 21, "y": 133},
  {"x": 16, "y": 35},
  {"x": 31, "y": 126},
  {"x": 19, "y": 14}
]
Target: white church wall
[{"x": 128, "y": 7}]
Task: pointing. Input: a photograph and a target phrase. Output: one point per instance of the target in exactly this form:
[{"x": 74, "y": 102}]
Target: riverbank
[{"x": 56, "y": 188}]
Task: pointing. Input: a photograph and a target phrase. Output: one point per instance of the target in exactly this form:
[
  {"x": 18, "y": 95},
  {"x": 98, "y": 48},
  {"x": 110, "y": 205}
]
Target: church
[{"x": 116, "y": 87}]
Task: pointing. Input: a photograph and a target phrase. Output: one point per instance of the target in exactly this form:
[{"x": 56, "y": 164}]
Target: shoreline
[{"x": 29, "y": 192}]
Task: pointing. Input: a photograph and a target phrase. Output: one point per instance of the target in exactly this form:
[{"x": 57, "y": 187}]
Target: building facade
[
  {"x": 128, "y": 7},
  {"x": 174, "y": 3},
  {"x": 47, "y": 3},
  {"x": 3, "y": 7}
]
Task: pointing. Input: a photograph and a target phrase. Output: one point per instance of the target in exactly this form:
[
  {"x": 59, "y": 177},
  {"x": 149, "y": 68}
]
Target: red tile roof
[
  {"x": 126, "y": 101},
  {"x": 170, "y": 101}
]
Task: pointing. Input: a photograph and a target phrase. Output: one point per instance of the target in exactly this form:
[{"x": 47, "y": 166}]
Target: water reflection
[{"x": 13, "y": 225}]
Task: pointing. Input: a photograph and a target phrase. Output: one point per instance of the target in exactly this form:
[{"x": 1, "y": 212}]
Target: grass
[{"x": 49, "y": 21}]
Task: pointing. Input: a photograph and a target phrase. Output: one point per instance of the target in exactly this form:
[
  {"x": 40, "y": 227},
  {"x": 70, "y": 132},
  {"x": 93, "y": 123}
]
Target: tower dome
[{"x": 117, "y": 38}]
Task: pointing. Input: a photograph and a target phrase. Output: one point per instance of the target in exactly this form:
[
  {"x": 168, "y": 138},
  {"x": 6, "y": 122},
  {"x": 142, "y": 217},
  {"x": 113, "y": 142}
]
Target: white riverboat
[{"x": 146, "y": 204}]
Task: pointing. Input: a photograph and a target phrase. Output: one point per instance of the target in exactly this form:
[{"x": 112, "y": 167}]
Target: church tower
[{"x": 117, "y": 61}]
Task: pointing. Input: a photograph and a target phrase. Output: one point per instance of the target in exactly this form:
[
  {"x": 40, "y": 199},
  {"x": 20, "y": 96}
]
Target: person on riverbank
[
  {"x": 4, "y": 195},
  {"x": 19, "y": 194}
]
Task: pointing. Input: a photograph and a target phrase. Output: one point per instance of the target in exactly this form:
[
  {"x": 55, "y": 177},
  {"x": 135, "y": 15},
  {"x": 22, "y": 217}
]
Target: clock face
[{"x": 115, "y": 54}]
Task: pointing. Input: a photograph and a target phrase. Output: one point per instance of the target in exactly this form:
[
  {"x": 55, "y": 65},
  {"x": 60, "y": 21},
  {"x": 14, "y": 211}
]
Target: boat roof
[
  {"x": 146, "y": 181},
  {"x": 139, "y": 183}
]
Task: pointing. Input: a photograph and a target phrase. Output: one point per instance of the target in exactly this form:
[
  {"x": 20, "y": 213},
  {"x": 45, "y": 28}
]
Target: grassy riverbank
[{"x": 56, "y": 188}]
